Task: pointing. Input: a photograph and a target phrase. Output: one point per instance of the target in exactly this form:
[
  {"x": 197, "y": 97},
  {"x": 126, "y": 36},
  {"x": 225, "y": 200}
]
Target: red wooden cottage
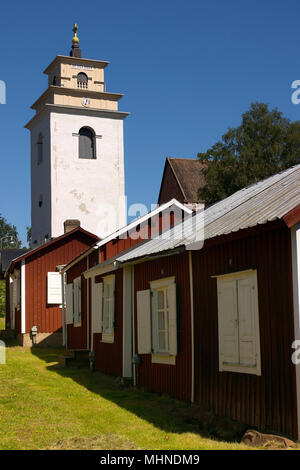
[
  {"x": 34, "y": 287},
  {"x": 98, "y": 314},
  {"x": 225, "y": 340},
  {"x": 208, "y": 312}
]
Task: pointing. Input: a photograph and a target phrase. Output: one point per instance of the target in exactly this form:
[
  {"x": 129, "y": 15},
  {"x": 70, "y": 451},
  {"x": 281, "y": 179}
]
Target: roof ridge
[{"x": 251, "y": 196}]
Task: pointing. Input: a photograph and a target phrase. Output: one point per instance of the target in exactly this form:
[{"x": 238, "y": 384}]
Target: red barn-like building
[
  {"x": 34, "y": 288},
  {"x": 209, "y": 311},
  {"x": 228, "y": 342}
]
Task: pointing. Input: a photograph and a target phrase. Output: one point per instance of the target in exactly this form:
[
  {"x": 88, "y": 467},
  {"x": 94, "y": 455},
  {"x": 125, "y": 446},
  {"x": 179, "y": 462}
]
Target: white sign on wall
[
  {"x": 54, "y": 295},
  {"x": 82, "y": 67}
]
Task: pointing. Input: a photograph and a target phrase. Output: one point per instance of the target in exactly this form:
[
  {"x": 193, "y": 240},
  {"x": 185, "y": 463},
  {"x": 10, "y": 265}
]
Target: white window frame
[
  {"x": 108, "y": 303},
  {"x": 161, "y": 356},
  {"x": 236, "y": 367},
  {"x": 77, "y": 303}
]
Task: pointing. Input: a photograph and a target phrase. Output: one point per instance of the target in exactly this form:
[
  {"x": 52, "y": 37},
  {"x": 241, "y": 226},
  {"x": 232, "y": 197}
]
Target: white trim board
[{"x": 295, "y": 241}]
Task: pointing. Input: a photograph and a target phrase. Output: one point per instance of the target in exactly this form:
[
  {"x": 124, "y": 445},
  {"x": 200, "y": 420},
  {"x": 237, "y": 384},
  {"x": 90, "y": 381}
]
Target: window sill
[
  {"x": 76, "y": 325},
  {"x": 107, "y": 338},
  {"x": 163, "y": 359},
  {"x": 240, "y": 369}
]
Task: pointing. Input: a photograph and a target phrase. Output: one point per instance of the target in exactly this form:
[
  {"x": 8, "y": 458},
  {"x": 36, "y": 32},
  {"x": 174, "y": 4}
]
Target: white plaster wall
[
  {"x": 40, "y": 180},
  {"x": 81, "y": 188}
]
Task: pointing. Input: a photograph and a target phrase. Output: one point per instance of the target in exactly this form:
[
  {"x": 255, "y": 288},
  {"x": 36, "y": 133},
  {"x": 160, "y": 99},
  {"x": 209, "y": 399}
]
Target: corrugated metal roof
[
  {"x": 259, "y": 203},
  {"x": 126, "y": 229}
]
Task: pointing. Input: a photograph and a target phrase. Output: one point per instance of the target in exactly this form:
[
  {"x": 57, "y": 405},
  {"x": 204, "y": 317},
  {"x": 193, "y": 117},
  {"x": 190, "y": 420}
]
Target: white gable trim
[
  {"x": 126, "y": 228},
  {"x": 144, "y": 218}
]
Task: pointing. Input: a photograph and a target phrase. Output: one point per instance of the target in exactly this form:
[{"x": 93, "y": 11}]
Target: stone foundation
[{"x": 43, "y": 340}]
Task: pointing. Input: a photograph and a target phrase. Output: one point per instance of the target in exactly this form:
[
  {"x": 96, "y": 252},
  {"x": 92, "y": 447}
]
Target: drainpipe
[
  {"x": 87, "y": 308},
  {"x": 192, "y": 328},
  {"x": 92, "y": 353},
  {"x": 133, "y": 325},
  {"x": 295, "y": 242},
  {"x": 63, "y": 309}
]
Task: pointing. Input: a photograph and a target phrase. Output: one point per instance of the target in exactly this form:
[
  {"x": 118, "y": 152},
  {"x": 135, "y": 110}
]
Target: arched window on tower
[
  {"x": 82, "y": 80},
  {"x": 39, "y": 145},
  {"x": 87, "y": 143}
]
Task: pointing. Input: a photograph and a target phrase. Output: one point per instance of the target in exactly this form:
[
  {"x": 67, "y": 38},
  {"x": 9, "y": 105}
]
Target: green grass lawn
[{"x": 43, "y": 405}]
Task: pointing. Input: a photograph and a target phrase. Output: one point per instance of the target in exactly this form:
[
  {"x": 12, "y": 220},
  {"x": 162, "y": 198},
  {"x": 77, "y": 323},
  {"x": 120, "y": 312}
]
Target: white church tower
[{"x": 77, "y": 151}]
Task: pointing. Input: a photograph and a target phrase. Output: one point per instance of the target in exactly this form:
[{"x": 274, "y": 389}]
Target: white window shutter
[
  {"x": 144, "y": 321},
  {"x": 247, "y": 315},
  {"x": 112, "y": 313},
  {"x": 172, "y": 319},
  {"x": 18, "y": 290},
  {"x": 75, "y": 301},
  {"x": 228, "y": 322},
  {"x": 69, "y": 304},
  {"x": 97, "y": 295},
  {"x": 155, "y": 337},
  {"x": 79, "y": 299},
  {"x": 54, "y": 295},
  {"x": 14, "y": 293}
]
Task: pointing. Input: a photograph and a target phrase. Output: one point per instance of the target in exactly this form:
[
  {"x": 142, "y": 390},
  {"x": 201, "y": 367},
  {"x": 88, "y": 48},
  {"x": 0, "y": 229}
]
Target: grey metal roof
[{"x": 259, "y": 203}]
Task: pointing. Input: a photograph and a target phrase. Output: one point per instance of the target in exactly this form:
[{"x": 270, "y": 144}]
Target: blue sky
[{"x": 188, "y": 70}]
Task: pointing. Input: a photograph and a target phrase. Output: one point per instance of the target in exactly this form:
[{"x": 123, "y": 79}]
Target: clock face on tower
[{"x": 85, "y": 102}]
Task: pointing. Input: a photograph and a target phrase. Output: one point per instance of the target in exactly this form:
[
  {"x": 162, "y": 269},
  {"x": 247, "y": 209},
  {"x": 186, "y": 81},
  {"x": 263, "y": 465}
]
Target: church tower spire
[
  {"x": 77, "y": 150},
  {"x": 75, "y": 51}
]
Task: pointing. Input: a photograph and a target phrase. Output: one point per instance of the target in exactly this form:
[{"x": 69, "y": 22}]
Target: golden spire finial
[{"x": 75, "y": 39}]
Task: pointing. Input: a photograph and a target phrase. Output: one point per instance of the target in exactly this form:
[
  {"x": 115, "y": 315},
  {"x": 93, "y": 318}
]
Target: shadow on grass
[
  {"x": 167, "y": 414},
  {"x": 9, "y": 342}
]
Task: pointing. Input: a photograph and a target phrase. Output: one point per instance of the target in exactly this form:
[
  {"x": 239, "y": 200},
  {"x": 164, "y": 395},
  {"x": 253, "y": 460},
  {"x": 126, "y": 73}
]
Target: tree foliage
[
  {"x": 2, "y": 299},
  {"x": 264, "y": 144},
  {"x": 29, "y": 234},
  {"x": 8, "y": 235}
]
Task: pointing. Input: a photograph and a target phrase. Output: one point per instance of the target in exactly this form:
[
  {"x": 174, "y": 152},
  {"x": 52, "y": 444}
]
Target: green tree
[
  {"x": 8, "y": 235},
  {"x": 264, "y": 144}
]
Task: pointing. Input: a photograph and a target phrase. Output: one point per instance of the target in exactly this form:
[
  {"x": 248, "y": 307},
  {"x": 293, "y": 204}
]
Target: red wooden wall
[
  {"x": 267, "y": 401},
  {"x": 147, "y": 230},
  {"x": 78, "y": 337},
  {"x": 174, "y": 380},
  {"x": 162, "y": 221},
  {"x": 109, "y": 356}
]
